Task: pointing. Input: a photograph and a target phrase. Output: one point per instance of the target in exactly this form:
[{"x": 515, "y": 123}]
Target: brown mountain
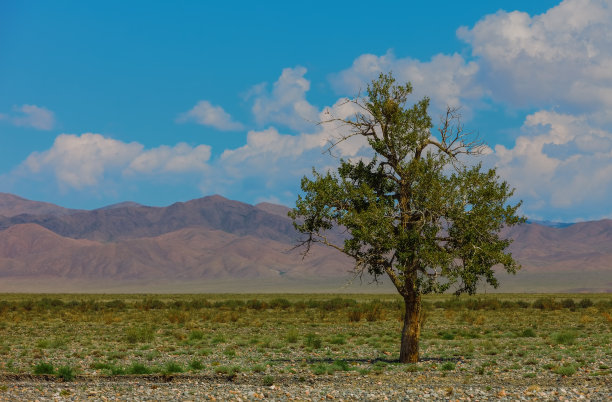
[
  {"x": 209, "y": 241},
  {"x": 11, "y": 205},
  {"x": 585, "y": 246},
  {"x": 128, "y": 222},
  {"x": 29, "y": 250}
]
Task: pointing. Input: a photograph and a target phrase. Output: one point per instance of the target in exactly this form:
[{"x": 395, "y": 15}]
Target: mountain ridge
[{"x": 214, "y": 239}]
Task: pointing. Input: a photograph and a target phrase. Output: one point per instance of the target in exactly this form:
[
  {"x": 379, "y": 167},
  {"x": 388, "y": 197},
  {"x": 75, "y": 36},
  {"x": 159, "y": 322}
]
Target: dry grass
[{"x": 527, "y": 335}]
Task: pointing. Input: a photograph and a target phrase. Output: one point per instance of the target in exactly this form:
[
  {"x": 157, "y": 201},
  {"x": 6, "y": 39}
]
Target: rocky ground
[{"x": 339, "y": 386}]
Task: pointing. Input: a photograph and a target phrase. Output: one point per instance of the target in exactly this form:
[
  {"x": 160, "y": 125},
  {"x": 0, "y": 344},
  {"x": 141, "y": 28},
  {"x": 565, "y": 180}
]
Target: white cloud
[
  {"x": 560, "y": 165},
  {"x": 89, "y": 159},
  {"x": 81, "y": 161},
  {"x": 273, "y": 163},
  {"x": 178, "y": 159},
  {"x": 207, "y": 114},
  {"x": 33, "y": 116},
  {"x": 286, "y": 104},
  {"x": 560, "y": 58},
  {"x": 446, "y": 79}
]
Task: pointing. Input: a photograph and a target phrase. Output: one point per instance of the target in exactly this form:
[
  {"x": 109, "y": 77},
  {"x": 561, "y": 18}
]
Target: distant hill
[
  {"x": 202, "y": 243},
  {"x": 128, "y": 222},
  {"x": 11, "y": 205},
  {"x": 124, "y": 204}
]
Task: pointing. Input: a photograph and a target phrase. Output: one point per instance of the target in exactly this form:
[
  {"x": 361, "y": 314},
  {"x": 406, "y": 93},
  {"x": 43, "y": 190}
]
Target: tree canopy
[{"x": 418, "y": 210}]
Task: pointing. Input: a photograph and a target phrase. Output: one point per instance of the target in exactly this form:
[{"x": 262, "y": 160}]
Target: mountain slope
[
  {"x": 11, "y": 205},
  {"x": 128, "y": 222},
  {"x": 214, "y": 239},
  {"x": 186, "y": 254}
]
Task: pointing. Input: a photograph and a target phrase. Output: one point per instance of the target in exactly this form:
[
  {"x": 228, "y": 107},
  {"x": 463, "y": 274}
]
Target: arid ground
[{"x": 302, "y": 346}]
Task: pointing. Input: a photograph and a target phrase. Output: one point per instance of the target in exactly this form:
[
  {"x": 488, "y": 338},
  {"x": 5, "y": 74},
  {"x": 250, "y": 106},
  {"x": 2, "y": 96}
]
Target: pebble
[{"x": 344, "y": 388}]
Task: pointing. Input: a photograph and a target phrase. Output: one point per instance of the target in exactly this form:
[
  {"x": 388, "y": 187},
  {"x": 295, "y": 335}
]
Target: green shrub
[
  {"x": 585, "y": 303},
  {"x": 268, "y": 380},
  {"x": 564, "y": 337},
  {"x": 546, "y": 303},
  {"x": 292, "y": 335},
  {"x": 44, "y": 368},
  {"x": 337, "y": 340},
  {"x": 219, "y": 338},
  {"x": 173, "y": 367},
  {"x": 319, "y": 369},
  {"x": 196, "y": 335},
  {"x": 117, "y": 370},
  {"x": 374, "y": 312},
  {"x": 446, "y": 335},
  {"x": 448, "y": 366},
  {"x": 569, "y": 304},
  {"x": 528, "y": 333},
  {"x": 313, "y": 341},
  {"x": 256, "y": 304},
  {"x": 341, "y": 365},
  {"x": 196, "y": 365},
  {"x": 138, "y": 368},
  {"x": 522, "y": 304},
  {"x": 100, "y": 366},
  {"x": 355, "y": 314},
  {"x": 280, "y": 303},
  {"x": 139, "y": 335},
  {"x": 230, "y": 371},
  {"x": 66, "y": 373},
  {"x": 566, "y": 370},
  {"x": 258, "y": 368}
]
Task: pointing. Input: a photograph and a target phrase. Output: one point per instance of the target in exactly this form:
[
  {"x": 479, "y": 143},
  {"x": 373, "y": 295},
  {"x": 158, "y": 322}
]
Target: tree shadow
[{"x": 313, "y": 360}]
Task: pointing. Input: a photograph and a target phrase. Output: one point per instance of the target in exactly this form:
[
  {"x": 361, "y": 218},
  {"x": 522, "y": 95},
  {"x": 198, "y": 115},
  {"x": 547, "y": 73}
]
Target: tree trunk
[{"x": 409, "y": 349}]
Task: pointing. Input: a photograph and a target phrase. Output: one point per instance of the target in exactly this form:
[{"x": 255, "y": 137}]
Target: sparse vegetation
[{"x": 466, "y": 337}]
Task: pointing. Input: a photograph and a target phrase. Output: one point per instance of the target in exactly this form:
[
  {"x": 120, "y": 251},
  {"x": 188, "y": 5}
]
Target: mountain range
[{"x": 213, "y": 244}]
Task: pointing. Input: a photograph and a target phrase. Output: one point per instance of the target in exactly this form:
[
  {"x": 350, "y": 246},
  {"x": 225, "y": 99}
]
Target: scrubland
[{"x": 303, "y": 346}]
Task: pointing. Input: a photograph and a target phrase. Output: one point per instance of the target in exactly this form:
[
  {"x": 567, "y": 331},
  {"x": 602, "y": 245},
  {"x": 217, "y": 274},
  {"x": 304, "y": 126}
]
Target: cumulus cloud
[
  {"x": 286, "y": 104},
  {"x": 559, "y": 165},
  {"x": 87, "y": 160},
  {"x": 272, "y": 162},
  {"x": 207, "y": 114},
  {"x": 559, "y": 58},
  {"x": 178, "y": 159},
  {"x": 81, "y": 161},
  {"x": 33, "y": 116},
  {"x": 446, "y": 79}
]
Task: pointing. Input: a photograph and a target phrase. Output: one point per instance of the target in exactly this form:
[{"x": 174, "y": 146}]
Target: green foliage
[
  {"x": 292, "y": 335},
  {"x": 173, "y": 367},
  {"x": 268, "y": 380},
  {"x": 66, "y": 373},
  {"x": 196, "y": 335},
  {"x": 341, "y": 365},
  {"x": 258, "y": 368},
  {"x": 196, "y": 365},
  {"x": 228, "y": 370},
  {"x": 413, "y": 212},
  {"x": 313, "y": 341},
  {"x": 139, "y": 334},
  {"x": 566, "y": 370},
  {"x": 138, "y": 368},
  {"x": 448, "y": 366},
  {"x": 528, "y": 333},
  {"x": 564, "y": 337},
  {"x": 44, "y": 368}
]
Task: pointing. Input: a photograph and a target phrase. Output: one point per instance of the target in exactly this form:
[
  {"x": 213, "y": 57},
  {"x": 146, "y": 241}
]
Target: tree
[{"x": 415, "y": 211}]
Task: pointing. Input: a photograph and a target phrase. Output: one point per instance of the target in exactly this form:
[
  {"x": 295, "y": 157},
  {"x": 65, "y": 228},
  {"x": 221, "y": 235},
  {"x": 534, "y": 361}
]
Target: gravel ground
[{"x": 340, "y": 386}]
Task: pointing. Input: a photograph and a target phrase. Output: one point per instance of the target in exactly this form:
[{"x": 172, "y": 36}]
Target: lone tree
[{"x": 415, "y": 211}]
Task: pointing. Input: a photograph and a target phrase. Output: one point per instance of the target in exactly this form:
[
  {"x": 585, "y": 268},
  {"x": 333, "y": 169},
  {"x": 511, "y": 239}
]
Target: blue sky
[{"x": 161, "y": 102}]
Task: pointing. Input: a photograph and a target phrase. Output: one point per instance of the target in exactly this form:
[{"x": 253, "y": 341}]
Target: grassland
[{"x": 263, "y": 340}]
